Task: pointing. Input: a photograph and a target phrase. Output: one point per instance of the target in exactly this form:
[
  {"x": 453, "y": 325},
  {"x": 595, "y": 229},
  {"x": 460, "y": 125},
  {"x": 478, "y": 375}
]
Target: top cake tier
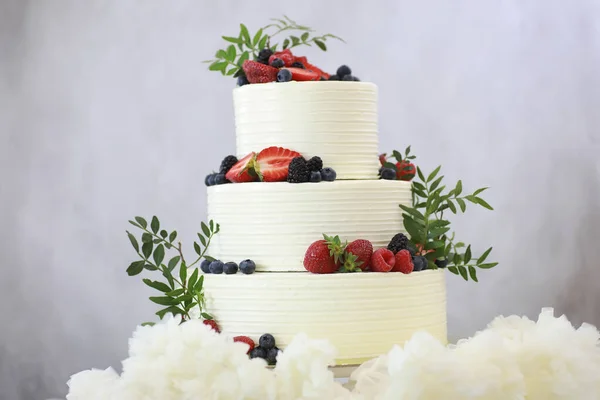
[{"x": 334, "y": 120}]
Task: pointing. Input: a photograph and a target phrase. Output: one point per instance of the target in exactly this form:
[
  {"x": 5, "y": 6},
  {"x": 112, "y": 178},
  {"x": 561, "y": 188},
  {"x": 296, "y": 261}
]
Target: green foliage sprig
[
  {"x": 246, "y": 45},
  {"x": 430, "y": 232},
  {"x": 180, "y": 293}
]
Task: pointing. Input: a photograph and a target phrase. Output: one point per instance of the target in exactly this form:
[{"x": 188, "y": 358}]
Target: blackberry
[
  {"x": 266, "y": 341},
  {"x": 298, "y": 64},
  {"x": 398, "y": 242},
  {"x": 298, "y": 171},
  {"x": 227, "y": 163},
  {"x": 315, "y": 164}
]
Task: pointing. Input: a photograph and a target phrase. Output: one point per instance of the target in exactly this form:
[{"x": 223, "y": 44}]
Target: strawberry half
[
  {"x": 311, "y": 67},
  {"x": 300, "y": 74},
  {"x": 259, "y": 73},
  {"x": 285, "y": 55},
  {"x": 272, "y": 163},
  {"x": 242, "y": 171}
]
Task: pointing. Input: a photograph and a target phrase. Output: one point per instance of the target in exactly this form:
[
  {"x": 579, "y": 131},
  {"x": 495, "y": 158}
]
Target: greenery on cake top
[
  {"x": 180, "y": 293},
  {"x": 246, "y": 45}
]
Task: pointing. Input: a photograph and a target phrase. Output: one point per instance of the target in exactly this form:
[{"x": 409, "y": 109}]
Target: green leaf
[
  {"x": 150, "y": 267},
  {"x": 173, "y": 262},
  {"x": 156, "y": 241},
  {"x": 438, "y": 223},
  {"x": 435, "y": 184},
  {"x": 233, "y": 39},
  {"x": 169, "y": 310},
  {"x": 485, "y": 254},
  {"x": 245, "y": 35},
  {"x": 295, "y": 40},
  {"x": 488, "y": 266},
  {"x": 416, "y": 232},
  {"x": 463, "y": 272},
  {"x": 231, "y": 53},
  {"x": 305, "y": 36},
  {"x": 197, "y": 249},
  {"x": 135, "y": 268},
  {"x": 232, "y": 71},
  {"x": 184, "y": 298},
  {"x": 154, "y": 224},
  {"x": 222, "y": 54},
  {"x": 390, "y": 166},
  {"x": 420, "y": 174},
  {"x": 175, "y": 293},
  {"x": 172, "y": 236},
  {"x": 202, "y": 240},
  {"x": 320, "y": 44},
  {"x": 433, "y": 174},
  {"x": 135, "y": 224},
  {"x": 412, "y": 211},
  {"x": 163, "y": 287},
  {"x": 209, "y": 258},
  {"x": 475, "y": 193},
  {"x": 167, "y": 274},
  {"x": 147, "y": 249},
  {"x": 459, "y": 245},
  {"x": 134, "y": 242},
  {"x": 205, "y": 229},
  {"x": 451, "y": 206},
  {"x": 471, "y": 198},
  {"x": 457, "y": 259},
  {"x": 257, "y": 37},
  {"x": 199, "y": 284},
  {"x": 263, "y": 42},
  {"x": 164, "y": 301},
  {"x": 419, "y": 186},
  {"x": 193, "y": 278},
  {"x": 142, "y": 222},
  {"x": 159, "y": 254},
  {"x": 461, "y": 204},
  {"x": 245, "y": 55},
  {"x": 421, "y": 205},
  {"x": 148, "y": 324},
  {"x": 483, "y": 203},
  {"x": 218, "y": 66},
  {"x": 207, "y": 316},
  {"x": 438, "y": 231},
  {"x": 458, "y": 188},
  {"x": 473, "y": 273},
  {"x": 454, "y": 270},
  {"x": 164, "y": 234},
  {"x": 431, "y": 265},
  {"x": 468, "y": 254},
  {"x": 286, "y": 43},
  {"x": 419, "y": 193},
  {"x": 183, "y": 272},
  {"x": 434, "y": 245},
  {"x": 397, "y": 155}
]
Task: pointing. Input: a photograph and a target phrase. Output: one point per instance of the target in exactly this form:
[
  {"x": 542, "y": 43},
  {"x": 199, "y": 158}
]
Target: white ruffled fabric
[{"x": 513, "y": 358}]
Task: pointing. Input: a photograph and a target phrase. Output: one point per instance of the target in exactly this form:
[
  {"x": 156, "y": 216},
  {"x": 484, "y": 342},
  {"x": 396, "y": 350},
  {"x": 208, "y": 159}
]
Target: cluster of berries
[
  {"x": 219, "y": 267},
  {"x": 219, "y": 178},
  {"x": 403, "y": 170},
  {"x": 302, "y": 170}
]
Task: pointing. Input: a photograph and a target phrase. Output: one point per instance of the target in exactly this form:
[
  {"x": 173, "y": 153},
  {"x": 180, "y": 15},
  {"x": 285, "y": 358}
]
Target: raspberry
[
  {"x": 382, "y": 260},
  {"x": 404, "y": 262}
]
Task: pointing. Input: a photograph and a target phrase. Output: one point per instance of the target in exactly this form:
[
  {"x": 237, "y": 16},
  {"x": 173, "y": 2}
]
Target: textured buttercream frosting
[
  {"x": 274, "y": 223},
  {"x": 334, "y": 120},
  {"x": 362, "y": 314}
]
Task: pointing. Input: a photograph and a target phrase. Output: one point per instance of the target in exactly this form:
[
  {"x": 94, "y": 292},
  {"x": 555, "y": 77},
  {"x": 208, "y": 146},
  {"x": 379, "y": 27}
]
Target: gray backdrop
[{"x": 106, "y": 112}]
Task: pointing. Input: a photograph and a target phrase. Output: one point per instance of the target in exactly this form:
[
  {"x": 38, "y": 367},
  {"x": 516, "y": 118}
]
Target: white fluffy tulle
[{"x": 514, "y": 358}]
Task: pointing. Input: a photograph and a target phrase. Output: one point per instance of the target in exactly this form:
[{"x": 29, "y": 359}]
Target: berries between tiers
[{"x": 218, "y": 267}]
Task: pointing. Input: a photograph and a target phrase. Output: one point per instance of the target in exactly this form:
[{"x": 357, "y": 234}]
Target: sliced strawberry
[
  {"x": 247, "y": 340},
  {"x": 311, "y": 67},
  {"x": 300, "y": 74},
  {"x": 259, "y": 73},
  {"x": 243, "y": 171},
  {"x": 285, "y": 55},
  {"x": 272, "y": 163}
]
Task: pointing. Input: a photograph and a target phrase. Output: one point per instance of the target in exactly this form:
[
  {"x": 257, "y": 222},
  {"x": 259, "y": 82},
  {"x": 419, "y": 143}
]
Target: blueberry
[
  {"x": 297, "y": 64},
  {"x": 220, "y": 179},
  {"x": 272, "y": 356},
  {"x": 355, "y": 79},
  {"x": 334, "y": 78},
  {"x": 328, "y": 174},
  {"x": 264, "y": 54},
  {"x": 344, "y": 70},
  {"x": 210, "y": 180},
  {"x": 277, "y": 63},
  {"x": 258, "y": 352},
  {"x": 348, "y": 78},
  {"x": 441, "y": 263},
  {"x": 205, "y": 266},
  {"x": 230, "y": 268},
  {"x": 216, "y": 267},
  {"x": 242, "y": 80},
  {"x": 266, "y": 341},
  {"x": 315, "y": 176},
  {"x": 420, "y": 263},
  {"x": 388, "y": 173},
  {"x": 247, "y": 267},
  {"x": 284, "y": 75}
]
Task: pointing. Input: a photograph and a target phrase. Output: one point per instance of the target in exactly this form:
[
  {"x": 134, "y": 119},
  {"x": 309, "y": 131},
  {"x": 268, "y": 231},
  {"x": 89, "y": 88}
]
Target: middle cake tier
[{"x": 274, "y": 223}]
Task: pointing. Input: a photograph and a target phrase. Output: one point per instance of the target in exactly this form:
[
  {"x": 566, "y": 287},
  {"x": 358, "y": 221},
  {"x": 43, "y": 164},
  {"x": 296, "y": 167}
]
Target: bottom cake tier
[{"x": 362, "y": 314}]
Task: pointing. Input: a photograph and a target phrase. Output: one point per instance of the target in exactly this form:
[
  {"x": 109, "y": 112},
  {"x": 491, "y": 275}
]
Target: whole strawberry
[
  {"x": 319, "y": 258},
  {"x": 213, "y": 324},
  {"x": 404, "y": 262},
  {"x": 247, "y": 340},
  {"x": 363, "y": 250},
  {"x": 405, "y": 170},
  {"x": 382, "y": 260}
]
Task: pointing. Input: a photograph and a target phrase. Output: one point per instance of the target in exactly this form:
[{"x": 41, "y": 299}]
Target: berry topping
[
  {"x": 247, "y": 267},
  {"x": 328, "y": 174},
  {"x": 441, "y": 263},
  {"x": 398, "y": 242},
  {"x": 334, "y": 78},
  {"x": 259, "y": 73},
  {"x": 419, "y": 262},
  {"x": 263, "y": 56},
  {"x": 209, "y": 180},
  {"x": 242, "y": 171},
  {"x": 285, "y": 55},
  {"x": 213, "y": 324},
  {"x": 382, "y": 260},
  {"x": 297, "y": 64},
  {"x": 299, "y": 74},
  {"x": 404, "y": 262},
  {"x": 220, "y": 179},
  {"x": 242, "y": 80},
  {"x": 205, "y": 266},
  {"x": 298, "y": 171},
  {"x": 258, "y": 352},
  {"x": 284, "y": 75},
  {"x": 343, "y": 71},
  {"x": 266, "y": 341},
  {"x": 227, "y": 163},
  {"x": 230, "y": 268},
  {"x": 247, "y": 340},
  {"x": 383, "y": 159},
  {"x": 406, "y": 170},
  {"x": 216, "y": 267},
  {"x": 321, "y": 258},
  {"x": 315, "y": 177},
  {"x": 388, "y": 174},
  {"x": 363, "y": 250},
  {"x": 272, "y": 356},
  {"x": 277, "y": 63},
  {"x": 272, "y": 163},
  {"x": 315, "y": 164}
]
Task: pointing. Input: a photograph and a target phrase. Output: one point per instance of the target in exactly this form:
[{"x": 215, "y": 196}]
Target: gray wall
[{"x": 106, "y": 112}]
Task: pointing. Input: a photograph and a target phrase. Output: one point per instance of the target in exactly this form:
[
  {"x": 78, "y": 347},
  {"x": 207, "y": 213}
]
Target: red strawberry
[
  {"x": 363, "y": 249},
  {"x": 382, "y": 260},
  {"x": 247, "y": 340},
  {"x": 242, "y": 171},
  {"x": 404, "y": 262},
  {"x": 300, "y": 74},
  {"x": 285, "y": 55},
  {"x": 272, "y": 163},
  {"x": 405, "y": 170},
  {"x": 213, "y": 324},
  {"x": 259, "y": 73},
  {"x": 311, "y": 67},
  {"x": 383, "y": 159},
  {"x": 318, "y": 259}
]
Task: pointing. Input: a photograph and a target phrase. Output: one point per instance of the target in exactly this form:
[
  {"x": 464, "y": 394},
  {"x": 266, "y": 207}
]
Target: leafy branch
[
  {"x": 431, "y": 234},
  {"x": 181, "y": 293}
]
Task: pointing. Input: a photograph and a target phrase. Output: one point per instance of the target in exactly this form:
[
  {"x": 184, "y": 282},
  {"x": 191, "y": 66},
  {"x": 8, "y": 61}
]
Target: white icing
[
  {"x": 334, "y": 120},
  {"x": 362, "y": 314},
  {"x": 274, "y": 223}
]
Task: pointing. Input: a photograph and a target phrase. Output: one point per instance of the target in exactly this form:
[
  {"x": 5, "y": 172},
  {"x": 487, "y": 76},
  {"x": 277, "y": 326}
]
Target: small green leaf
[
  {"x": 231, "y": 53},
  {"x": 245, "y": 35},
  {"x": 286, "y": 43},
  {"x": 193, "y": 278},
  {"x": 419, "y": 186},
  {"x": 461, "y": 204},
  {"x": 471, "y": 198},
  {"x": 483, "y": 203},
  {"x": 207, "y": 316},
  {"x": 412, "y": 211},
  {"x": 147, "y": 249},
  {"x": 183, "y": 272},
  {"x": 451, "y": 206},
  {"x": 233, "y": 39},
  {"x": 173, "y": 262},
  {"x": 485, "y": 254},
  {"x": 458, "y": 188},
  {"x": 320, "y": 44},
  {"x": 197, "y": 249},
  {"x": 433, "y": 174},
  {"x": 154, "y": 224},
  {"x": 217, "y": 229},
  {"x": 488, "y": 266},
  {"x": 159, "y": 254},
  {"x": 475, "y": 193},
  {"x": 135, "y": 268},
  {"x": 164, "y": 301},
  {"x": 156, "y": 241},
  {"x": 209, "y": 258},
  {"x": 457, "y": 259},
  {"x": 435, "y": 184},
  {"x": 169, "y": 310},
  {"x": 263, "y": 42},
  {"x": 134, "y": 242},
  {"x": 305, "y": 36},
  {"x": 459, "y": 244},
  {"x": 390, "y": 166},
  {"x": 164, "y": 234},
  {"x": 438, "y": 231},
  {"x": 431, "y": 265},
  {"x": 135, "y": 224},
  {"x": 172, "y": 236},
  {"x": 295, "y": 40},
  {"x": 167, "y": 274},
  {"x": 205, "y": 229},
  {"x": 434, "y": 245},
  {"x": 222, "y": 54},
  {"x": 175, "y": 293},
  {"x": 232, "y": 71},
  {"x": 454, "y": 270},
  {"x": 142, "y": 222},
  {"x": 420, "y": 174},
  {"x": 414, "y": 230},
  {"x": 463, "y": 272},
  {"x": 467, "y": 254},
  {"x": 199, "y": 284},
  {"x": 148, "y": 324},
  {"x": 150, "y": 267},
  {"x": 473, "y": 273},
  {"x": 245, "y": 55},
  {"x": 421, "y": 205},
  {"x": 438, "y": 223},
  {"x": 202, "y": 240},
  {"x": 218, "y": 66},
  {"x": 157, "y": 285},
  {"x": 257, "y": 37}
]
